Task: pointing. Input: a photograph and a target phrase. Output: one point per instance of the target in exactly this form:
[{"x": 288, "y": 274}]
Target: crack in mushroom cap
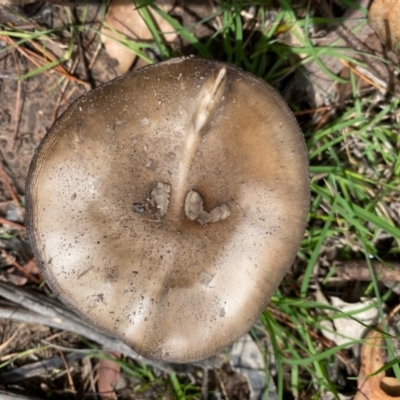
[{"x": 169, "y": 287}]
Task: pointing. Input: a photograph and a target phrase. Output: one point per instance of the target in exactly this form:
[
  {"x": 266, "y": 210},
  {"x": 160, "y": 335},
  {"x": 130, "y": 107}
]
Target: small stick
[
  {"x": 10, "y": 189},
  {"x": 359, "y": 271},
  {"x": 377, "y": 67},
  {"x": 5, "y": 344},
  {"x": 6, "y": 181},
  {"x": 18, "y": 266},
  {"x": 204, "y": 384},
  {"x": 37, "y": 368},
  {"x": 12, "y": 224},
  {"x": 70, "y": 380},
  {"x": 32, "y": 57},
  {"x": 17, "y": 102},
  {"x": 36, "y": 308}
]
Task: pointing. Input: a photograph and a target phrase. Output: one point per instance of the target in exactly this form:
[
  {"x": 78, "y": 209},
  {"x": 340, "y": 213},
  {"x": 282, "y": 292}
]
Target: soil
[{"x": 28, "y": 108}]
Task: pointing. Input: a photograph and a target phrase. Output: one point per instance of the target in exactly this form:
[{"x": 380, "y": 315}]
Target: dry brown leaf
[
  {"x": 31, "y": 267},
  {"x": 379, "y": 386},
  {"x": 359, "y": 270},
  {"x": 123, "y": 20},
  {"x": 16, "y": 278},
  {"x": 108, "y": 374},
  {"x": 384, "y": 19}
]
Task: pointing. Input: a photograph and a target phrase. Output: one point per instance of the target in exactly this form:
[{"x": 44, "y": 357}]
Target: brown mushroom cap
[{"x": 167, "y": 205}]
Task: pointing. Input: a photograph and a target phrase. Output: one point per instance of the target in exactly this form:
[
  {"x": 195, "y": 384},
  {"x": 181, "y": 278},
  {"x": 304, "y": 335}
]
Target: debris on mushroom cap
[
  {"x": 167, "y": 205},
  {"x": 194, "y": 210},
  {"x": 160, "y": 198}
]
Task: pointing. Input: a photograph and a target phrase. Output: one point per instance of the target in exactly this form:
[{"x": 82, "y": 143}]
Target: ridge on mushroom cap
[{"x": 167, "y": 205}]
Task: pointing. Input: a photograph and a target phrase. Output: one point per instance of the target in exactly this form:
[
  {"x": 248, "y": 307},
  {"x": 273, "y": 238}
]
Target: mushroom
[{"x": 167, "y": 205}]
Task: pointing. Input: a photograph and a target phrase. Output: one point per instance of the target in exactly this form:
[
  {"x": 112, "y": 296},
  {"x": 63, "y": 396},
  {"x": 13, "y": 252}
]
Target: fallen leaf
[
  {"x": 108, "y": 374},
  {"x": 342, "y": 330},
  {"x": 384, "y": 17},
  {"x": 123, "y": 21},
  {"x": 247, "y": 359},
  {"x": 378, "y": 386},
  {"x": 19, "y": 275},
  {"x": 15, "y": 277},
  {"x": 311, "y": 82},
  {"x": 31, "y": 267}
]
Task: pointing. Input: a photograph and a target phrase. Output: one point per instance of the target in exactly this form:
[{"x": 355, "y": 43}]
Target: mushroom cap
[{"x": 109, "y": 186}]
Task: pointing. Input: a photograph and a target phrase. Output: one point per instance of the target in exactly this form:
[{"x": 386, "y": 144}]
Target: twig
[
  {"x": 7, "y": 183},
  {"x": 221, "y": 385},
  {"x": 17, "y": 102},
  {"x": 363, "y": 77},
  {"x": 378, "y": 68},
  {"x": 311, "y": 81},
  {"x": 18, "y": 266},
  {"x": 359, "y": 271},
  {"x": 28, "y": 54},
  {"x": 37, "y": 368},
  {"x": 82, "y": 51},
  {"x": 70, "y": 380},
  {"x": 63, "y": 90},
  {"x": 12, "y": 224},
  {"x": 341, "y": 355},
  {"x": 62, "y": 323},
  {"x": 392, "y": 313},
  {"x": 5, "y": 344},
  {"x": 33, "y": 57},
  {"x": 33, "y": 307},
  {"x": 313, "y": 110},
  {"x": 88, "y": 383},
  {"x": 5, "y": 203},
  {"x": 204, "y": 385},
  {"x": 95, "y": 55}
]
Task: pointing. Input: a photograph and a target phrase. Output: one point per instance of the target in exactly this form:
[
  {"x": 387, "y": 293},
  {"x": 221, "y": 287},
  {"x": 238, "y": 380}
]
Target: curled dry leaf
[
  {"x": 15, "y": 278},
  {"x": 384, "y": 17},
  {"x": 124, "y": 21},
  {"x": 31, "y": 267},
  {"x": 378, "y": 386},
  {"x": 108, "y": 375}
]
